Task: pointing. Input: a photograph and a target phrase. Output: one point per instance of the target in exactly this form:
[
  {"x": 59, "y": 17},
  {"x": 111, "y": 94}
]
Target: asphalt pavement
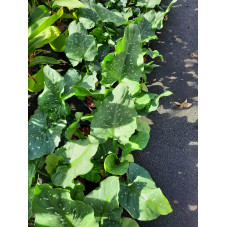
[{"x": 171, "y": 156}]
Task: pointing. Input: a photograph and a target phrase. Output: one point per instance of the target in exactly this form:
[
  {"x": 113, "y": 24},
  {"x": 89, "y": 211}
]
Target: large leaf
[
  {"x": 127, "y": 65},
  {"x": 43, "y": 136},
  {"x": 88, "y": 17},
  {"x": 49, "y": 21},
  {"x": 106, "y": 15},
  {"x": 50, "y": 100},
  {"x": 146, "y": 31},
  {"x": 112, "y": 167},
  {"x": 116, "y": 117},
  {"x": 104, "y": 201},
  {"x": 148, "y": 3},
  {"x": 77, "y": 27},
  {"x": 76, "y": 154},
  {"x": 138, "y": 141},
  {"x": 43, "y": 38},
  {"x": 140, "y": 197},
  {"x": 54, "y": 207},
  {"x": 79, "y": 46},
  {"x": 67, "y": 3}
]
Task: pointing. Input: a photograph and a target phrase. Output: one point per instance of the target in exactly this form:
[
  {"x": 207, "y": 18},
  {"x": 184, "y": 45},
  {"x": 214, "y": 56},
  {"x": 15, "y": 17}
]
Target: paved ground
[{"x": 171, "y": 155}]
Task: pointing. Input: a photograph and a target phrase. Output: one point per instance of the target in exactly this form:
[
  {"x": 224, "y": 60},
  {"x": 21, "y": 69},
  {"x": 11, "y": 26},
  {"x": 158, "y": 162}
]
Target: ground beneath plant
[{"x": 171, "y": 155}]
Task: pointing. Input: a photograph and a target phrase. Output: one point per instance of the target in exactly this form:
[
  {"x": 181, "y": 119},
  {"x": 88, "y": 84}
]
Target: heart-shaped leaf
[
  {"x": 140, "y": 197},
  {"x": 43, "y": 136},
  {"x": 116, "y": 117},
  {"x": 79, "y": 46},
  {"x": 104, "y": 201},
  {"x": 127, "y": 65},
  {"x": 76, "y": 154},
  {"x": 56, "y": 208},
  {"x": 50, "y": 101}
]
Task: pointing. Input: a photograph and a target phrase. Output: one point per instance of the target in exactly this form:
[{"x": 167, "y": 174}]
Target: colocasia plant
[{"x": 81, "y": 170}]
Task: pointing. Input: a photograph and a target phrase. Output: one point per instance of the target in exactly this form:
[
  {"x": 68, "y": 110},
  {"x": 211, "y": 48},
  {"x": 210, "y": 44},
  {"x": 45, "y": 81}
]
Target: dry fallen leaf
[
  {"x": 165, "y": 18},
  {"x": 194, "y": 55},
  {"x": 184, "y": 104}
]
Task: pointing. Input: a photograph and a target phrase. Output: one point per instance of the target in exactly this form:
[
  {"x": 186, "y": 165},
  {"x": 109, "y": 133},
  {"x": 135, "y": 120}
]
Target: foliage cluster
[{"x": 81, "y": 171}]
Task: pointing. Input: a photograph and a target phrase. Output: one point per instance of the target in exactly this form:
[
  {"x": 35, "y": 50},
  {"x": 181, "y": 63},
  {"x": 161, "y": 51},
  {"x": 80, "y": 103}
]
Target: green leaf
[
  {"x": 128, "y": 158},
  {"x": 88, "y": 17},
  {"x": 38, "y": 84},
  {"x": 97, "y": 94},
  {"x": 105, "y": 149},
  {"x": 116, "y": 117},
  {"x": 31, "y": 172},
  {"x": 43, "y": 38},
  {"x": 98, "y": 34},
  {"x": 43, "y": 136},
  {"x": 93, "y": 174},
  {"x": 154, "y": 54},
  {"x": 56, "y": 207},
  {"x": 58, "y": 45},
  {"x": 140, "y": 197},
  {"x": 138, "y": 141},
  {"x": 106, "y": 15},
  {"x": 30, "y": 198},
  {"x": 41, "y": 60},
  {"x": 67, "y": 3},
  {"x": 49, "y": 21},
  {"x": 116, "y": 169},
  {"x": 79, "y": 47},
  {"x": 77, "y": 193},
  {"x": 143, "y": 99},
  {"x": 104, "y": 201},
  {"x": 127, "y": 65},
  {"x": 73, "y": 78},
  {"x": 38, "y": 13},
  {"x": 154, "y": 103},
  {"x": 75, "y": 27},
  {"x": 51, "y": 163},
  {"x": 76, "y": 154},
  {"x": 148, "y": 3},
  {"x": 146, "y": 31},
  {"x": 128, "y": 222},
  {"x": 73, "y": 127},
  {"x": 50, "y": 100}
]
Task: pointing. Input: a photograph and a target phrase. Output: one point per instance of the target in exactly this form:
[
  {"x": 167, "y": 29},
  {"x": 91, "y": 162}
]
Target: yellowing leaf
[{"x": 52, "y": 162}]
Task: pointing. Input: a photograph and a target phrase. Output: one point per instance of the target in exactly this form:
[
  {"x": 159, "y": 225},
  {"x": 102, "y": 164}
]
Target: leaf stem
[
  {"x": 86, "y": 66},
  {"x": 44, "y": 174},
  {"x": 114, "y": 145}
]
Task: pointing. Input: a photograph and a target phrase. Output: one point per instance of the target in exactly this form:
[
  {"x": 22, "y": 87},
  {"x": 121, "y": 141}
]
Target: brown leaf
[
  {"x": 194, "y": 55},
  {"x": 165, "y": 18},
  {"x": 89, "y": 102},
  {"x": 184, "y": 104}
]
